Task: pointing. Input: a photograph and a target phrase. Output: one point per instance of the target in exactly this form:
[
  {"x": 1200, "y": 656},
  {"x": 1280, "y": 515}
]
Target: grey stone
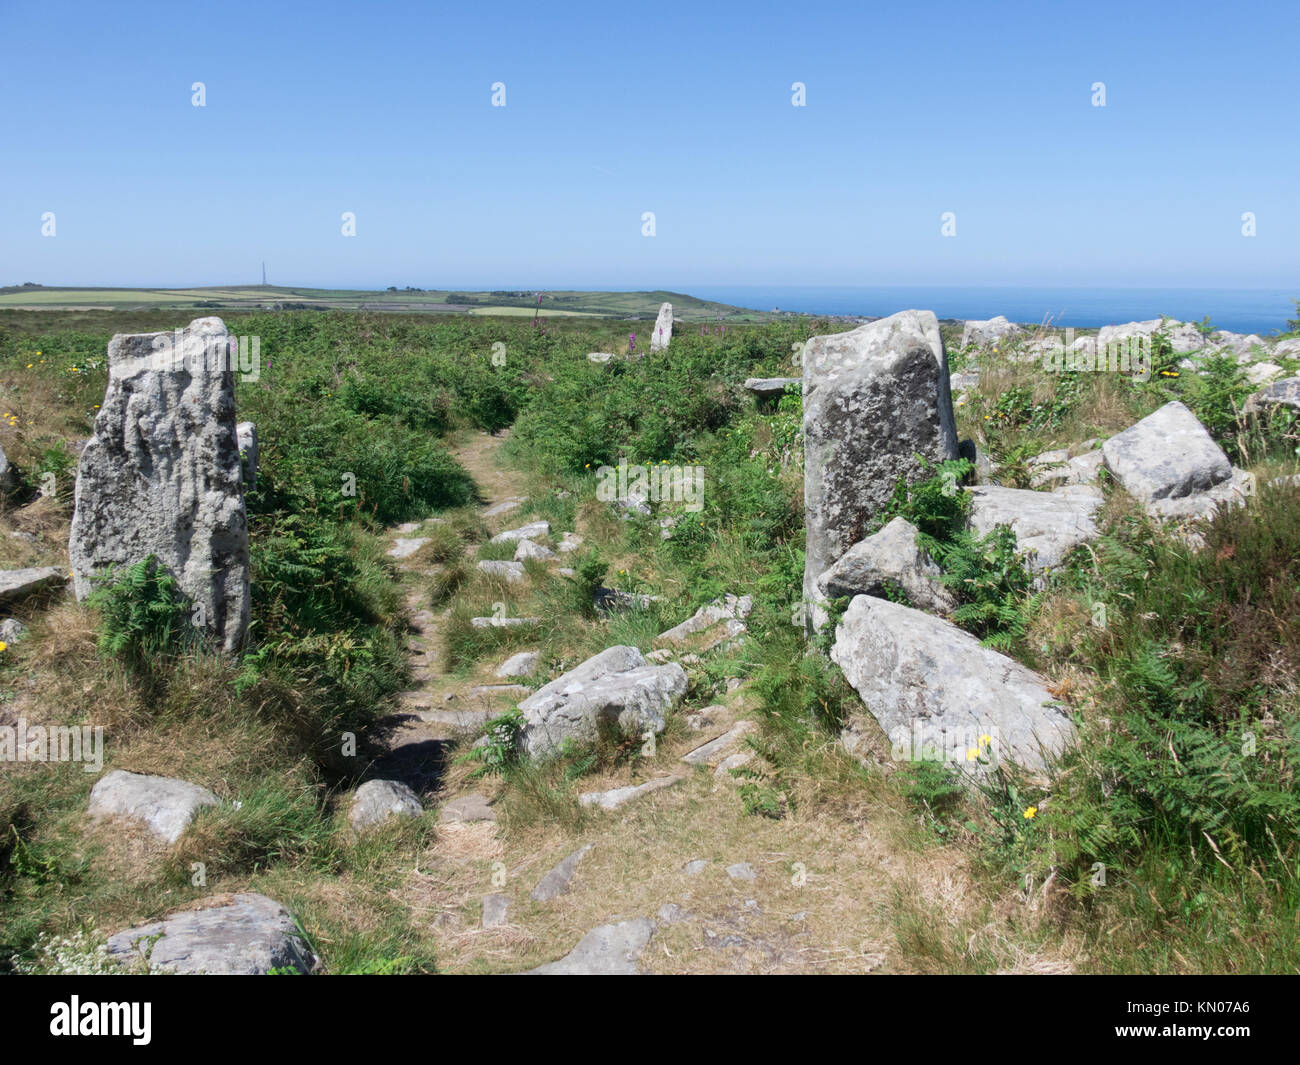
[
  {"x": 12, "y": 630},
  {"x": 610, "y": 950},
  {"x": 670, "y": 913},
  {"x": 696, "y": 867},
  {"x": 505, "y": 506},
  {"x": 510, "y": 572},
  {"x": 742, "y": 871},
  {"x": 532, "y": 531},
  {"x": 246, "y": 935},
  {"x": 889, "y": 557},
  {"x": 616, "y": 797},
  {"x": 17, "y": 584},
  {"x": 524, "y": 664},
  {"x": 528, "y": 549},
  {"x": 161, "y": 475},
  {"x": 1165, "y": 457},
  {"x": 504, "y": 623},
  {"x": 1260, "y": 372},
  {"x": 1284, "y": 393},
  {"x": 987, "y": 333},
  {"x": 733, "y": 761},
  {"x": 663, "y": 329},
  {"x": 600, "y": 356},
  {"x": 496, "y": 910},
  {"x": 246, "y": 437},
  {"x": 874, "y": 399},
  {"x": 405, "y": 548},
  {"x": 8, "y": 476},
  {"x": 471, "y": 807},
  {"x": 615, "y": 685},
  {"x": 569, "y": 542},
  {"x": 164, "y": 804},
  {"x": 558, "y": 881},
  {"x": 930, "y": 684},
  {"x": 721, "y": 620},
  {"x": 376, "y": 801},
  {"x": 1048, "y": 525},
  {"x": 716, "y": 749},
  {"x": 770, "y": 387}
]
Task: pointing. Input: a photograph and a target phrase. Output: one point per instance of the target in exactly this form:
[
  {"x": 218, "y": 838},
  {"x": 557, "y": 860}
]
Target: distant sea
[{"x": 1238, "y": 310}]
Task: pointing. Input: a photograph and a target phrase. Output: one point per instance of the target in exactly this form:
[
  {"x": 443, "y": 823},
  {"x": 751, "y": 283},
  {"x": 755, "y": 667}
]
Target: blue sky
[{"x": 614, "y": 109}]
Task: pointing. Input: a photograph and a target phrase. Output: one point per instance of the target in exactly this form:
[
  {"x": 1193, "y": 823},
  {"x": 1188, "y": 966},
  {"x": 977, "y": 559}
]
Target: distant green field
[{"x": 629, "y": 305}]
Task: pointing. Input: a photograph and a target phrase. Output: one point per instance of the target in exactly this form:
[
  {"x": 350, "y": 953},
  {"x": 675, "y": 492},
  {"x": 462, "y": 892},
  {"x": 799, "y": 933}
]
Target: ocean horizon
[{"x": 1262, "y": 311}]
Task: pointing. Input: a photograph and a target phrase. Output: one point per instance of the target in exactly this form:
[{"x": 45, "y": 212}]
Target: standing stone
[
  {"x": 874, "y": 398},
  {"x": 161, "y": 475},
  {"x": 663, "y": 328}
]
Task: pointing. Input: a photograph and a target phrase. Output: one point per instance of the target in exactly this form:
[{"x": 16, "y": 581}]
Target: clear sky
[{"x": 614, "y": 109}]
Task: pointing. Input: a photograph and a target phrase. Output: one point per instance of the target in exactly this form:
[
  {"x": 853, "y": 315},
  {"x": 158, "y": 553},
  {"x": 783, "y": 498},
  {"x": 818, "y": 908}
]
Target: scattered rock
[
  {"x": 243, "y": 935},
  {"x": 985, "y": 334},
  {"x": 376, "y": 801},
  {"x": 616, "y": 685},
  {"x": 600, "y": 356},
  {"x": 496, "y": 909},
  {"x": 770, "y": 387},
  {"x": 12, "y": 630},
  {"x": 524, "y": 664},
  {"x": 696, "y": 867},
  {"x": 607, "y": 600},
  {"x": 610, "y": 950},
  {"x": 505, "y": 506},
  {"x": 742, "y": 871},
  {"x": 1285, "y": 393},
  {"x": 876, "y": 403},
  {"x": 503, "y": 623},
  {"x": 471, "y": 807},
  {"x": 671, "y": 913},
  {"x": 558, "y": 880},
  {"x": 720, "y": 621},
  {"x": 663, "y": 332},
  {"x": 732, "y": 761},
  {"x": 404, "y": 548},
  {"x": 1260, "y": 372},
  {"x": 18, "y": 584},
  {"x": 616, "y": 797},
  {"x": 569, "y": 542},
  {"x": 511, "y": 690},
  {"x": 510, "y": 572},
  {"x": 712, "y": 752},
  {"x": 891, "y": 557},
  {"x": 528, "y": 549},
  {"x": 930, "y": 684},
  {"x": 1048, "y": 525},
  {"x": 164, "y": 804},
  {"x": 162, "y": 475},
  {"x": 660, "y": 656},
  {"x": 532, "y": 531}
]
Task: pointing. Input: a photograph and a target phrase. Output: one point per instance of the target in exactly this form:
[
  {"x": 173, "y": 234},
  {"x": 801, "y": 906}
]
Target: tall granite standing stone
[
  {"x": 663, "y": 328},
  {"x": 874, "y": 398},
  {"x": 161, "y": 474}
]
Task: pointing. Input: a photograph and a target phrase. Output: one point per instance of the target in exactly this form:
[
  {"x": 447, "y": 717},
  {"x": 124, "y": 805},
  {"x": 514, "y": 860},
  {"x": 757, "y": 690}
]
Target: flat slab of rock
[
  {"x": 616, "y": 797},
  {"x": 162, "y": 474},
  {"x": 890, "y": 557},
  {"x": 248, "y": 935},
  {"x": 716, "y": 749},
  {"x": 616, "y": 685},
  {"x": 510, "y": 572},
  {"x": 1047, "y": 525},
  {"x": 496, "y": 911},
  {"x": 405, "y": 548},
  {"x": 505, "y": 506},
  {"x": 376, "y": 801},
  {"x": 770, "y": 387},
  {"x": 722, "y": 620},
  {"x": 164, "y": 804},
  {"x": 610, "y": 950},
  {"x": 1284, "y": 393},
  {"x": 663, "y": 330},
  {"x": 528, "y": 549},
  {"x": 472, "y": 807},
  {"x": 931, "y": 685},
  {"x": 532, "y": 531},
  {"x": 503, "y": 623},
  {"x": 989, "y": 332},
  {"x": 557, "y": 882},
  {"x": 600, "y": 356},
  {"x": 524, "y": 664},
  {"x": 1166, "y": 457},
  {"x": 16, "y": 584},
  {"x": 742, "y": 871},
  {"x": 875, "y": 399}
]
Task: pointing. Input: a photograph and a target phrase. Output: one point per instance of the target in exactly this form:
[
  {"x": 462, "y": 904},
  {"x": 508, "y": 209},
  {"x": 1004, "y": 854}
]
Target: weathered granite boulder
[
  {"x": 510, "y": 572},
  {"x": 376, "y": 801},
  {"x": 720, "y": 621},
  {"x": 663, "y": 331},
  {"x": 987, "y": 333},
  {"x": 933, "y": 687},
  {"x": 610, "y": 950},
  {"x": 615, "y": 685},
  {"x": 523, "y": 664},
  {"x": 1166, "y": 458},
  {"x": 533, "y": 531},
  {"x": 527, "y": 549},
  {"x": 16, "y": 584},
  {"x": 889, "y": 557},
  {"x": 1048, "y": 525},
  {"x": 161, "y": 475},
  {"x": 164, "y": 804},
  {"x": 770, "y": 387},
  {"x": 1259, "y": 372},
  {"x": 1284, "y": 393},
  {"x": 235, "y": 935},
  {"x": 874, "y": 398}
]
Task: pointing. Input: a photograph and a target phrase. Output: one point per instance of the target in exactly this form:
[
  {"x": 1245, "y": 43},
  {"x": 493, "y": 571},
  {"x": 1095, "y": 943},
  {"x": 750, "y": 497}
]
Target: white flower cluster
[{"x": 75, "y": 955}]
